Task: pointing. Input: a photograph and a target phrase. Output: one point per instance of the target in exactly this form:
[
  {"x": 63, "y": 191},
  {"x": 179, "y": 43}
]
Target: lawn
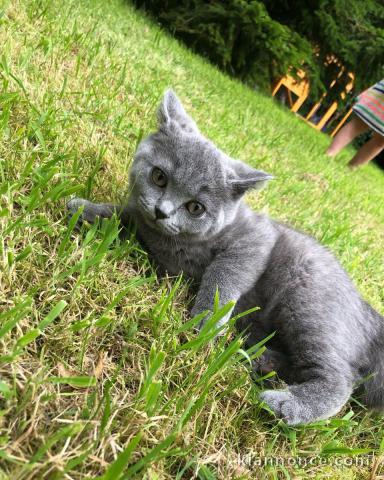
[{"x": 99, "y": 374}]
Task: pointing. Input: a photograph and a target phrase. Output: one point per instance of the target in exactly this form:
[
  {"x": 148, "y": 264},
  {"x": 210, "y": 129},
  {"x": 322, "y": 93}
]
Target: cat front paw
[
  {"x": 88, "y": 214},
  {"x": 74, "y": 204}
]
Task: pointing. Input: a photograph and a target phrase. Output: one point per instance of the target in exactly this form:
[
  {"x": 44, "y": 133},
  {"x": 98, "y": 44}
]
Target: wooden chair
[
  {"x": 333, "y": 107},
  {"x": 341, "y": 123},
  {"x": 300, "y": 88}
]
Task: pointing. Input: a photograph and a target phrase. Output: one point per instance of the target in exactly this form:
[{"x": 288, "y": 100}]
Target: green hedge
[
  {"x": 237, "y": 35},
  {"x": 257, "y": 40}
]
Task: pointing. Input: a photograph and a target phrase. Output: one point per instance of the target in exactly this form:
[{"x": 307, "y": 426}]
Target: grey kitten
[{"x": 186, "y": 200}]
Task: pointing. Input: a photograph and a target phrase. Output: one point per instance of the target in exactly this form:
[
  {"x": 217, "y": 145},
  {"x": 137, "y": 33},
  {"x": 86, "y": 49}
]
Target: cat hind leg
[{"x": 309, "y": 401}]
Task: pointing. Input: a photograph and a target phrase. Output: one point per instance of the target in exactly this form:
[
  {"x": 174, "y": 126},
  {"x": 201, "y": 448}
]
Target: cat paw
[
  {"x": 285, "y": 406},
  {"x": 73, "y": 206}
]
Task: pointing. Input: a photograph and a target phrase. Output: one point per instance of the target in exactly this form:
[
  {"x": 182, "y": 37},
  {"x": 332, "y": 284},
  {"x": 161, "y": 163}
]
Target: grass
[{"x": 100, "y": 375}]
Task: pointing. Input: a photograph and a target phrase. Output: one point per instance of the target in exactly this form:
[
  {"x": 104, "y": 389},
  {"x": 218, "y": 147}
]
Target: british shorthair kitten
[{"x": 186, "y": 201}]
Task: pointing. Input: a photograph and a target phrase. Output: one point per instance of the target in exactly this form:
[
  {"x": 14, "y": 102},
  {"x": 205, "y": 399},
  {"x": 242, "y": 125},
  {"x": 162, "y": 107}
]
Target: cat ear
[
  {"x": 243, "y": 177},
  {"x": 171, "y": 112}
]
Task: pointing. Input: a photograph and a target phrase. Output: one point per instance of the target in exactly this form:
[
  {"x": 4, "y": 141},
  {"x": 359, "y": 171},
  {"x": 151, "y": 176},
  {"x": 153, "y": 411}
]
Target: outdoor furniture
[
  {"x": 300, "y": 88},
  {"x": 327, "y": 115}
]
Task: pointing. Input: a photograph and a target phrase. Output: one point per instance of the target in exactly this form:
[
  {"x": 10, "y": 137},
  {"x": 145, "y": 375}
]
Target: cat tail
[{"x": 374, "y": 385}]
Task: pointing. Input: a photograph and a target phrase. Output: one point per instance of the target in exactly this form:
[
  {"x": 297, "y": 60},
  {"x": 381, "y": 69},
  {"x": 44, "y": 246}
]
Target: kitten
[{"x": 186, "y": 201}]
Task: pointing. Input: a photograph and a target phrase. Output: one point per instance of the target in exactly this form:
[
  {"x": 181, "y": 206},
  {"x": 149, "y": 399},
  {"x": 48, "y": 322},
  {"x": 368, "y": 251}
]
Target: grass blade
[
  {"x": 75, "y": 381},
  {"x": 52, "y": 315},
  {"x": 116, "y": 469}
]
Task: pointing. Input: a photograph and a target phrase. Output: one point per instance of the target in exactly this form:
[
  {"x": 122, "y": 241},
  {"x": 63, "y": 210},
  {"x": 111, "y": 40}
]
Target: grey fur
[{"x": 327, "y": 337}]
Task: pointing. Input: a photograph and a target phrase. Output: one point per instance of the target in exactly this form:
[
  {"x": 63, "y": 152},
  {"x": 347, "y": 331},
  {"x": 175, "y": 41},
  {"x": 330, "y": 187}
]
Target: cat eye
[
  {"x": 196, "y": 209},
  {"x": 159, "y": 178}
]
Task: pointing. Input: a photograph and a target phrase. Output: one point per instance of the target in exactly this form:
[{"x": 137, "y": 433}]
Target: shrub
[
  {"x": 239, "y": 36},
  {"x": 258, "y": 40}
]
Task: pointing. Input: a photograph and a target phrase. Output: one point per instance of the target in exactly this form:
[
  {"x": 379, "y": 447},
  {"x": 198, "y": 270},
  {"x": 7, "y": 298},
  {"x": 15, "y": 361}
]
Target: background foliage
[{"x": 257, "y": 40}]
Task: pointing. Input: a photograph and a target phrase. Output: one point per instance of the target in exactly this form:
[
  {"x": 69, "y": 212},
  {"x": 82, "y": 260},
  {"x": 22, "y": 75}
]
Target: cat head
[{"x": 181, "y": 183}]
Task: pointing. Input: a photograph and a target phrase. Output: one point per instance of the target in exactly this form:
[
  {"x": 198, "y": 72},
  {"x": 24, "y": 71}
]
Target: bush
[
  {"x": 239, "y": 36},
  {"x": 351, "y": 30},
  {"x": 258, "y": 40}
]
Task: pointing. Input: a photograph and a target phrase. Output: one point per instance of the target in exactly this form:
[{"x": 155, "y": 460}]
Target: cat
[{"x": 186, "y": 202}]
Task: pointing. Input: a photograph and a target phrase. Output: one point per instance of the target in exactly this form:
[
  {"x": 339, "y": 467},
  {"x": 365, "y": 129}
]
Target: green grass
[{"x": 99, "y": 373}]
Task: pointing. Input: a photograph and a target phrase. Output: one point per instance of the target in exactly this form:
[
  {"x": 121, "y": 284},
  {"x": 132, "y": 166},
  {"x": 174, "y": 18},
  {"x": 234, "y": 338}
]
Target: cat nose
[{"x": 160, "y": 214}]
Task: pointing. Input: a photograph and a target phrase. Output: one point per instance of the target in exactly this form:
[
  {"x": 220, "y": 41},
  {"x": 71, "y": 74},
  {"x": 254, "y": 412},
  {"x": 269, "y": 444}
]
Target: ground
[{"x": 99, "y": 373}]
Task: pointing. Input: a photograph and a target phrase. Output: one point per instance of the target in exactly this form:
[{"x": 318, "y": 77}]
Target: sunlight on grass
[{"x": 101, "y": 373}]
